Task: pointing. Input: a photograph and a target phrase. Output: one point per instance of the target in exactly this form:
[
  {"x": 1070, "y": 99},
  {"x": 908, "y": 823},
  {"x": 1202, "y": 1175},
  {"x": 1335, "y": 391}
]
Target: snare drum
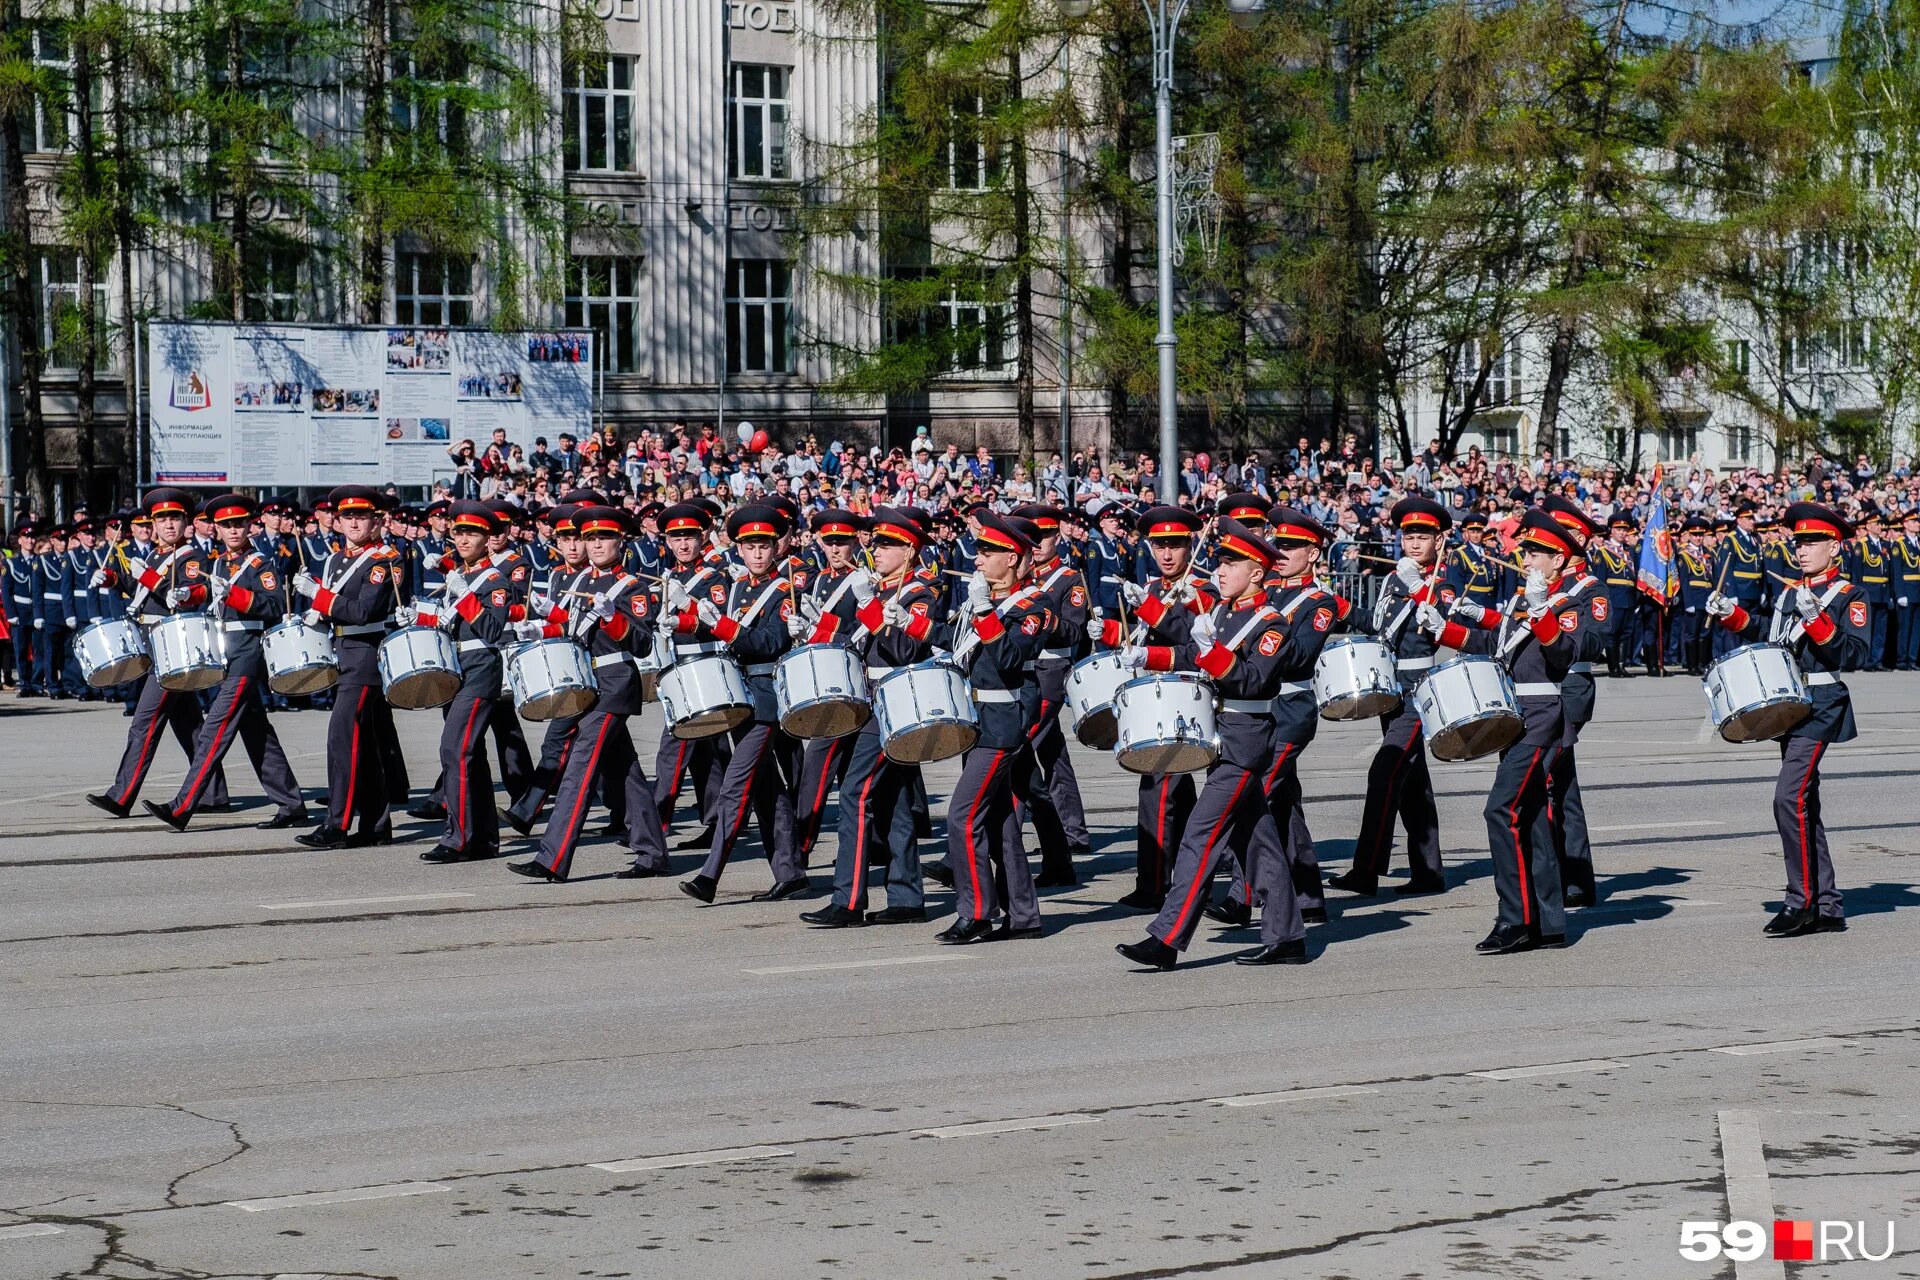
[
  {"x": 1166, "y": 724},
  {"x": 551, "y": 679},
  {"x": 925, "y": 713},
  {"x": 1756, "y": 692},
  {"x": 419, "y": 668},
  {"x": 187, "y": 652},
  {"x": 821, "y": 691},
  {"x": 1091, "y": 688},
  {"x": 1468, "y": 709},
  {"x": 300, "y": 658},
  {"x": 1355, "y": 679},
  {"x": 704, "y": 697},
  {"x": 111, "y": 651}
]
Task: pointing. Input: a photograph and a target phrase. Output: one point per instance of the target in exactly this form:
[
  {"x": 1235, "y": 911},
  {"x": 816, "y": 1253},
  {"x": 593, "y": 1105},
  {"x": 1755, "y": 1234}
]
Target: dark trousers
[
  {"x": 1803, "y": 839},
  {"x": 1909, "y": 620},
  {"x": 1284, "y": 798},
  {"x": 603, "y": 754},
  {"x": 466, "y": 777},
  {"x": 179, "y": 712},
  {"x": 1166, "y": 804},
  {"x": 23, "y": 664},
  {"x": 990, "y": 871},
  {"x": 510, "y": 742},
  {"x": 823, "y": 761},
  {"x": 1526, "y": 872},
  {"x": 51, "y": 662},
  {"x": 755, "y": 782},
  {"x": 1567, "y": 813},
  {"x": 239, "y": 711},
  {"x": 1052, "y": 793},
  {"x": 1232, "y": 813},
  {"x": 556, "y": 747},
  {"x": 876, "y": 803},
  {"x": 705, "y": 759},
  {"x": 356, "y": 760},
  {"x": 1399, "y": 782}
]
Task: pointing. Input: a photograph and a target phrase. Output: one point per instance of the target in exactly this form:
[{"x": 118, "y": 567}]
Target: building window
[
  {"x": 1617, "y": 444},
  {"x": 1852, "y": 344},
  {"x": 432, "y": 289},
  {"x": 973, "y": 163},
  {"x": 1739, "y": 357},
  {"x": 1739, "y": 444},
  {"x": 1503, "y": 373},
  {"x": 1503, "y": 441},
  {"x": 427, "y": 106},
  {"x": 757, "y": 144},
  {"x": 980, "y": 332},
  {"x": 57, "y": 274},
  {"x": 1799, "y": 351},
  {"x": 603, "y": 294},
  {"x": 601, "y": 106},
  {"x": 1678, "y": 444},
  {"x": 759, "y": 310},
  {"x": 276, "y": 283},
  {"x": 1563, "y": 437},
  {"x": 53, "y": 122}
]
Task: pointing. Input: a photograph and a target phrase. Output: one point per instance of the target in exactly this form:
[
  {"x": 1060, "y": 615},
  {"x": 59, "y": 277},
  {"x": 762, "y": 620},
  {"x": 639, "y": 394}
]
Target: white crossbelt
[
  {"x": 1413, "y": 664},
  {"x": 705, "y": 646},
  {"x": 243, "y": 626},
  {"x": 1248, "y": 706},
  {"x": 1580, "y": 669},
  {"x": 611, "y": 660},
  {"x": 1537, "y": 689},
  {"x": 880, "y": 673},
  {"x": 995, "y": 695},
  {"x": 1821, "y": 677},
  {"x": 361, "y": 629},
  {"x": 761, "y": 668},
  {"x": 472, "y": 646}
]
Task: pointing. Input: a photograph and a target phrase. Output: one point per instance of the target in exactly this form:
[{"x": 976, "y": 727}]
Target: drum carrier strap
[{"x": 1788, "y": 626}]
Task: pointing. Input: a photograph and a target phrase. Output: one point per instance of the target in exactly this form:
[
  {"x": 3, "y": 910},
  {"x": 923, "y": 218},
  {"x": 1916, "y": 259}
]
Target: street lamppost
[{"x": 1163, "y": 22}]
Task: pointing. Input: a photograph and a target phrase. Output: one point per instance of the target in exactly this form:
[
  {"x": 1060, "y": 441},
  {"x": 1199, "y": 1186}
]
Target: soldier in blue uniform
[
  {"x": 1696, "y": 584},
  {"x": 1616, "y": 567},
  {"x": 85, "y": 559},
  {"x": 1471, "y": 572},
  {"x": 53, "y": 590},
  {"x": 1107, "y": 565},
  {"x": 1739, "y": 572},
  {"x": 1904, "y": 554},
  {"x": 1870, "y": 570},
  {"x": 22, "y": 609}
]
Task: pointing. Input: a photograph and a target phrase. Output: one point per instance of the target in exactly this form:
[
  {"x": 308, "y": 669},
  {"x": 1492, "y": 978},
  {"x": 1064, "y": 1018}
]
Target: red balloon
[
  {"x": 1202, "y": 462},
  {"x": 759, "y": 442}
]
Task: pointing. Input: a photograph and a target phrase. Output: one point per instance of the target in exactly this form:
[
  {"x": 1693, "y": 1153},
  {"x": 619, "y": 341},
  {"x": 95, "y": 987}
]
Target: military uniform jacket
[
  {"x": 359, "y": 590},
  {"x": 21, "y": 609},
  {"x": 1167, "y": 612},
  {"x": 249, "y": 597},
  {"x": 82, "y": 564},
  {"x": 1254, "y": 670},
  {"x": 831, "y": 591},
  {"x": 889, "y": 648},
  {"x": 1395, "y": 623},
  {"x": 516, "y": 569},
  {"x": 1538, "y": 653},
  {"x": 53, "y": 588},
  {"x": 432, "y": 557},
  {"x": 1903, "y": 554},
  {"x": 754, "y": 628},
  {"x": 1743, "y": 574},
  {"x": 707, "y": 578},
  {"x": 476, "y": 621},
  {"x": 1838, "y": 640},
  {"x": 185, "y": 566},
  {"x": 1472, "y": 574},
  {"x": 1066, "y": 590},
  {"x": 1696, "y": 579},
  {"x": 1106, "y": 560},
  {"x": 1870, "y": 571},
  {"x": 1578, "y": 692},
  {"x": 1005, "y": 685}
]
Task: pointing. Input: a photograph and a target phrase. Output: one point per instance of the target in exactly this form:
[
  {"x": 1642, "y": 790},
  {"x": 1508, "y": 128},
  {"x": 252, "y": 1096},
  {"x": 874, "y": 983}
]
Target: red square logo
[{"x": 1792, "y": 1241}]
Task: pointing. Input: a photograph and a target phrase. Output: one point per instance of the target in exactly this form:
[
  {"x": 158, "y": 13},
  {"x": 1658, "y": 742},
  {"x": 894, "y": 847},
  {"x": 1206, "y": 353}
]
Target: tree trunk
[
  {"x": 239, "y": 226},
  {"x": 1128, "y": 55},
  {"x": 30, "y": 448},
  {"x": 1023, "y": 281},
  {"x": 123, "y": 238},
  {"x": 87, "y": 157},
  {"x": 373, "y": 124}
]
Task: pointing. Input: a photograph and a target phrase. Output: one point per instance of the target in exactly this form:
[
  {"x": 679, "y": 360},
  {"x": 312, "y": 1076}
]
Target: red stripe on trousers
[
  {"x": 812, "y": 833},
  {"x": 1206, "y": 857},
  {"x": 1374, "y": 855},
  {"x": 571, "y": 831},
  {"x": 1160, "y": 832},
  {"x": 860, "y": 836},
  {"x": 1266, "y": 789},
  {"x": 746, "y": 802},
  {"x": 1519, "y": 849},
  {"x": 146, "y": 747},
  {"x": 353, "y": 758},
  {"x": 973, "y": 810},
  {"x": 213, "y": 748},
  {"x": 466, "y": 760},
  {"x": 1800, "y": 815}
]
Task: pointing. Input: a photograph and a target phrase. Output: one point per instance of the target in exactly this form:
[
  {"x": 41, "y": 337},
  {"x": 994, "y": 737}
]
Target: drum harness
[
  {"x": 614, "y": 593},
  {"x": 1787, "y": 634},
  {"x": 964, "y": 651},
  {"x": 353, "y": 566},
  {"x": 164, "y": 568},
  {"x": 473, "y": 588},
  {"x": 1057, "y": 654},
  {"x": 775, "y": 585},
  {"x": 220, "y": 601},
  {"x": 682, "y": 650},
  {"x": 1261, "y": 616},
  {"x": 1511, "y": 639}
]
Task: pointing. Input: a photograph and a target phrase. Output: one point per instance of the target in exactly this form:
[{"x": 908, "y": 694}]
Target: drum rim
[
  {"x": 1354, "y": 642},
  {"x": 1167, "y": 677},
  {"x": 926, "y": 664},
  {"x": 1749, "y": 648},
  {"x": 1110, "y": 655}
]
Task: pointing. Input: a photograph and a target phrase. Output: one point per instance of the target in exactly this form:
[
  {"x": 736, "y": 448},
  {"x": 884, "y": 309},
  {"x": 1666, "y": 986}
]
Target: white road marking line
[
  {"x": 1749, "y": 1194},
  {"x": 27, "y": 1230},
  {"x": 854, "y": 964},
  {"x": 1783, "y": 1046},
  {"x": 689, "y": 1159},
  {"x": 1008, "y": 1126},
  {"x": 1658, "y": 826},
  {"x": 1548, "y": 1069},
  {"x": 388, "y": 1192},
  {"x": 1291, "y": 1095},
  {"x": 360, "y": 902}
]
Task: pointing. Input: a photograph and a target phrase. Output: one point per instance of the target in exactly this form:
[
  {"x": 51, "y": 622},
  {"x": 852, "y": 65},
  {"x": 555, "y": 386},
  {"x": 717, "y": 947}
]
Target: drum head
[
  {"x": 711, "y": 724},
  {"x": 1361, "y": 706},
  {"x": 1100, "y": 730},
  {"x": 193, "y": 679},
  {"x": 306, "y": 680},
  {"x": 424, "y": 690},
  {"x": 131, "y": 667},
  {"x": 828, "y": 718},
  {"x": 1172, "y": 756},
  {"x": 558, "y": 703},
  {"x": 931, "y": 740},
  {"x": 1767, "y": 720},
  {"x": 1481, "y": 736}
]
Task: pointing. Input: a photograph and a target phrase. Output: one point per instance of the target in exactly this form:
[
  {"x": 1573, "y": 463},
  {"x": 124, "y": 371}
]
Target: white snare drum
[
  {"x": 419, "y": 668},
  {"x": 187, "y": 652},
  {"x": 1166, "y": 724},
  {"x": 1468, "y": 709},
  {"x": 550, "y": 679},
  {"x": 1091, "y": 688},
  {"x": 111, "y": 651},
  {"x": 300, "y": 658},
  {"x": 1756, "y": 692},
  {"x": 821, "y": 691},
  {"x": 1355, "y": 679},
  {"x": 926, "y": 713},
  {"x": 704, "y": 697}
]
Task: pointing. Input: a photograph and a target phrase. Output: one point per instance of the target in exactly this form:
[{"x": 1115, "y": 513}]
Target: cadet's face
[
  {"x": 684, "y": 546},
  {"x": 603, "y": 549},
  {"x": 1296, "y": 558},
  {"x": 167, "y": 530},
  {"x": 1234, "y": 576},
  {"x": 469, "y": 544},
  {"x": 568, "y": 544},
  {"x": 1550, "y": 563},
  {"x": 1813, "y": 555},
  {"x": 758, "y": 555},
  {"x": 1420, "y": 546},
  {"x": 997, "y": 565},
  {"x": 1171, "y": 557},
  {"x": 890, "y": 557},
  {"x": 233, "y": 534},
  {"x": 839, "y": 552}
]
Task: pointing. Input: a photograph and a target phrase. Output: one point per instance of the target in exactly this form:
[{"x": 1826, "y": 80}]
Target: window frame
[
  {"x": 580, "y": 99},
  {"x": 45, "y": 289},
  {"x": 407, "y": 293},
  {"x": 772, "y": 313},
  {"x": 618, "y": 338},
  {"x": 773, "y": 114}
]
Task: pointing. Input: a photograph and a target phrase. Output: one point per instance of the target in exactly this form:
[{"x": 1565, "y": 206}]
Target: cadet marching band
[{"x": 793, "y": 658}]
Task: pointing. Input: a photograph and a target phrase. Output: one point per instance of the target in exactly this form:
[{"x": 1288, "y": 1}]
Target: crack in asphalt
[{"x": 300, "y": 921}]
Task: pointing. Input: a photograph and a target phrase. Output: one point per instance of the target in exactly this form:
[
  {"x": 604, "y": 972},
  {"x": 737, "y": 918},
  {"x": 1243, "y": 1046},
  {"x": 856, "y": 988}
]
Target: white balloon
[{"x": 744, "y": 431}]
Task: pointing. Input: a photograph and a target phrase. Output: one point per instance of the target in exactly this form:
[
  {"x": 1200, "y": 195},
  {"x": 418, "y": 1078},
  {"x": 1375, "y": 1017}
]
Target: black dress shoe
[
  {"x": 225, "y": 806},
  {"x": 1782, "y": 922},
  {"x": 938, "y": 872},
  {"x": 1802, "y": 924},
  {"x": 378, "y": 836},
  {"x": 427, "y": 811},
  {"x": 1553, "y": 941},
  {"x": 177, "y": 821},
  {"x": 281, "y": 821},
  {"x": 1414, "y": 888},
  {"x": 1830, "y": 924},
  {"x": 1278, "y": 953},
  {"x": 638, "y": 872},
  {"x": 1578, "y": 896},
  {"x": 1150, "y": 953},
  {"x": 1313, "y": 915},
  {"x": 702, "y": 841},
  {"x": 898, "y": 915},
  {"x": 1141, "y": 900},
  {"x": 784, "y": 890},
  {"x": 1507, "y": 939},
  {"x": 1055, "y": 877},
  {"x": 1007, "y": 933},
  {"x": 107, "y": 806},
  {"x": 323, "y": 837},
  {"x": 1349, "y": 882},
  {"x": 1238, "y": 914},
  {"x": 534, "y": 871},
  {"x": 834, "y": 916},
  {"x": 700, "y": 887},
  {"x": 447, "y": 853},
  {"x": 523, "y": 825},
  {"x": 963, "y": 932}
]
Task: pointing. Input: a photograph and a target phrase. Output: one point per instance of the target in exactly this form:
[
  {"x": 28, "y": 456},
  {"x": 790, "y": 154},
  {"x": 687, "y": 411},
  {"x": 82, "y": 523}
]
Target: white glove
[
  {"x": 406, "y": 615},
  {"x": 798, "y": 626},
  {"x": 539, "y": 604},
  {"x": 1182, "y": 592},
  {"x": 1204, "y": 631},
  {"x": 314, "y": 619},
  {"x": 708, "y": 611},
  {"x": 1536, "y": 592},
  {"x": 1806, "y": 603},
  {"x": 39, "y": 624},
  {"x": 99, "y": 579},
  {"x": 1096, "y": 626},
  {"x": 1382, "y": 606},
  {"x": 600, "y": 608},
  {"x": 1902, "y": 602},
  {"x": 810, "y": 608},
  {"x": 1408, "y": 571},
  {"x": 1134, "y": 594},
  {"x": 860, "y": 583},
  {"x": 136, "y": 566},
  {"x": 530, "y": 629},
  {"x": 895, "y": 614},
  {"x": 1469, "y": 610},
  {"x": 1430, "y": 620},
  {"x": 979, "y": 594},
  {"x": 738, "y": 572},
  {"x": 678, "y": 597},
  {"x": 176, "y": 597},
  {"x": 307, "y": 585},
  {"x": 1692, "y": 609},
  {"x": 457, "y": 585},
  {"x": 72, "y": 623},
  {"x": 1133, "y": 658},
  {"x": 1719, "y": 606}
]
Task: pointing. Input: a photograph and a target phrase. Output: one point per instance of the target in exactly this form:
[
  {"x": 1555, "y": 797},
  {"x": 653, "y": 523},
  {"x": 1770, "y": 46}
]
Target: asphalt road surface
[{"x": 225, "y": 1055}]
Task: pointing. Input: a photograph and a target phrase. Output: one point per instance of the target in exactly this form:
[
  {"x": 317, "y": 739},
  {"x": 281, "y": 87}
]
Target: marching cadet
[
  {"x": 1109, "y": 561},
  {"x": 1166, "y": 608},
  {"x": 1696, "y": 584},
  {"x": 430, "y": 552},
  {"x": 246, "y": 596},
  {"x": 1052, "y": 796},
  {"x": 1242, "y": 645},
  {"x": 1619, "y": 576},
  {"x": 1823, "y": 619},
  {"x": 1007, "y": 624},
  {"x": 174, "y": 581},
  {"x": 1905, "y": 557},
  {"x": 1872, "y": 573},
  {"x": 686, "y": 527},
  {"x": 752, "y": 624},
  {"x": 1472, "y": 573},
  {"x": 22, "y": 609},
  {"x": 53, "y": 590},
  {"x": 614, "y": 616},
  {"x": 356, "y": 592},
  {"x": 1398, "y": 780},
  {"x": 1739, "y": 571},
  {"x": 828, "y": 614},
  {"x": 900, "y": 627},
  {"x": 1538, "y": 635},
  {"x": 1566, "y": 807},
  {"x": 84, "y": 559}
]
